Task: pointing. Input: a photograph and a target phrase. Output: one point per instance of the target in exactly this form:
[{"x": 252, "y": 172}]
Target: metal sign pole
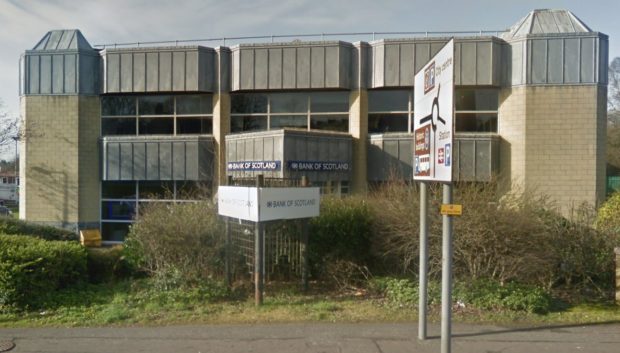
[
  {"x": 259, "y": 252},
  {"x": 423, "y": 275},
  {"x": 446, "y": 274}
]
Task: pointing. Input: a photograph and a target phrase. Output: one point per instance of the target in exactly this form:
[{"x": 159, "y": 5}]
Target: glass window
[
  {"x": 388, "y": 101},
  {"x": 199, "y": 125},
  {"x": 476, "y": 99},
  {"x": 329, "y": 102},
  {"x": 248, "y": 123},
  {"x": 118, "y": 105},
  {"x": 114, "y": 231},
  {"x": 156, "y": 126},
  {"x": 156, "y": 190},
  {"x": 194, "y": 104},
  {"x": 118, "y": 190},
  {"x": 476, "y": 122},
  {"x": 118, "y": 210},
  {"x": 289, "y": 121},
  {"x": 118, "y": 126},
  {"x": 380, "y": 123},
  {"x": 330, "y": 122},
  {"x": 289, "y": 102},
  {"x": 246, "y": 103},
  {"x": 156, "y": 105}
]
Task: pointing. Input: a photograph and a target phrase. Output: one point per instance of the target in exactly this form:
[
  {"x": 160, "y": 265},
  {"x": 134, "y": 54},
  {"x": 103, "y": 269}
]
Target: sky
[{"x": 24, "y": 22}]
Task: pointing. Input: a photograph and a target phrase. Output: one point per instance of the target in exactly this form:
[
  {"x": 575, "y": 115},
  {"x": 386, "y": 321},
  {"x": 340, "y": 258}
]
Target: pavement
[{"x": 314, "y": 338}]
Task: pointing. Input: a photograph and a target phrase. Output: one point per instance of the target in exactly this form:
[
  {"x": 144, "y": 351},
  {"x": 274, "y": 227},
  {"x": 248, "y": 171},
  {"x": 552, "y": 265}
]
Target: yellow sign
[{"x": 451, "y": 210}]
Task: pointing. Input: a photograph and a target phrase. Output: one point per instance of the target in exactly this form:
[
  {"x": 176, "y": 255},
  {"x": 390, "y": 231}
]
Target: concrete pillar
[
  {"x": 221, "y": 127},
  {"x": 358, "y": 128}
]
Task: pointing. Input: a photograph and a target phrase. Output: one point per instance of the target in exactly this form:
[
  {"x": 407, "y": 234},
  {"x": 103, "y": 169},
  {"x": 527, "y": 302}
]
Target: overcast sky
[{"x": 24, "y": 22}]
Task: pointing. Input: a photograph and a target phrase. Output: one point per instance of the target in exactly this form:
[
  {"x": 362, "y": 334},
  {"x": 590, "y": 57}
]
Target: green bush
[
  {"x": 31, "y": 270},
  {"x": 177, "y": 242},
  {"x": 340, "y": 237},
  {"x": 491, "y": 295},
  {"x": 106, "y": 264},
  {"x": 405, "y": 292},
  {"x": 14, "y": 226},
  {"x": 608, "y": 217}
]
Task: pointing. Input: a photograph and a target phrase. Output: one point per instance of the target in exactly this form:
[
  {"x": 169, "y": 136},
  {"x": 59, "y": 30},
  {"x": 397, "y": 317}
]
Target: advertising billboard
[{"x": 433, "y": 117}]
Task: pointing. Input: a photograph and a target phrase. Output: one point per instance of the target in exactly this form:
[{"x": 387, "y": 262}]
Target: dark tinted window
[
  {"x": 248, "y": 123},
  {"x": 380, "y": 123},
  {"x": 118, "y": 210},
  {"x": 466, "y": 122},
  {"x": 118, "y": 190},
  {"x": 156, "y": 105},
  {"x": 290, "y": 121},
  {"x": 325, "y": 102},
  {"x": 476, "y": 99},
  {"x": 199, "y": 125},
  {"x": 330, "y": 122},
  {"x": 388, "y": 101},
  {"x": 114, "y": 231},
  {"x": 248, "y": 103},
  {"x": 156, "y": 126},
  {"x": 118, "y": 126},
  {"x": 118, "y": 105},
  {"x": 195, "y": 104},
  {"x": 289, "y": 102}
]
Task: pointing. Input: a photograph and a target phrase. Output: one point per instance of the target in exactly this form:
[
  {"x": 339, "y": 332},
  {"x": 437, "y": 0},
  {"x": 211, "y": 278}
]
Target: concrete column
[
  {"x": 221, "y": 127},
  {"x": 358, "y": 128}
]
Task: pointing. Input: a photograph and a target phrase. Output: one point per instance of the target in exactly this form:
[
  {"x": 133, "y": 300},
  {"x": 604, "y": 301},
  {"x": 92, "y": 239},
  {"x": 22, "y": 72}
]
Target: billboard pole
[
  {"x": 446, "y": 274},
  {"x": 423, "y": 280}
]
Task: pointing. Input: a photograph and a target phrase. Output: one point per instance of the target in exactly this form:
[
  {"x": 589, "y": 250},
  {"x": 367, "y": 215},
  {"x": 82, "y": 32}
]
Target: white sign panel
[
  {"x": 238, "y": 202},
  {"x": 288, "y": 203},
  {"x": 433, "y": 118},
  {"x": 267, "y": 204}
]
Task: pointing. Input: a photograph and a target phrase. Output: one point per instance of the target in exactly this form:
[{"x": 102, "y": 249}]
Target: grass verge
[{"x": 136, "y": 302}]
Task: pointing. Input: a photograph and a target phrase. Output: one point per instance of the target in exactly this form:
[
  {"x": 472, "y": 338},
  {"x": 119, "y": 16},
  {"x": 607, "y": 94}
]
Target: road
[{"x": 314, "y": 338}]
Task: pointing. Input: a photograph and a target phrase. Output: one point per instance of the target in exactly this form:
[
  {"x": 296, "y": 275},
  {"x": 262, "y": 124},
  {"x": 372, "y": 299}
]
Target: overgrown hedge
[
  {"x": 15, "y": 226},
  {"x": 32, "y": 269}
]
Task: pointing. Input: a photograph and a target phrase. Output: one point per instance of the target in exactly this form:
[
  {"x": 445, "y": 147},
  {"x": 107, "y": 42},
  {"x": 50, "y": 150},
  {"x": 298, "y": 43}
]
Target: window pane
[
  {"x": 118, "y": 210},
  {"x": 388, "y": 101},
  {"x": 290, "y": 121},
  {"x": 380, "y": 123},
  {"x": 118, "y": 126},
  {"x": 194, "y": 125},
  {"x": 114, "y": 231},
  {"x": 156, "y": 105},
  {"x": 476, "y": 99},
  {"x": 329, "y": 102},
  {"x": 195, "y": 104},
  {"x": 289, "y": 102},
  {"x": 156, "y": 190},
  {"x": 476, "y": 122},
  {"x": 248, "y": 123},
  {"x": 330, "y": 122},
  {"x": 156, "y": 126},
  {"x": 119, "y": 105},
  {"x": 118, "y": 190},
  {"x": 248, "y": 103}
]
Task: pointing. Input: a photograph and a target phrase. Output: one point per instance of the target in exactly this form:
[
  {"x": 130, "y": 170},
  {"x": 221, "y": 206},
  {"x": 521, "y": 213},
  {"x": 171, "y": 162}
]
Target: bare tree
[
  {"x": 613, "y": 92},
  {"x": 9, "y": 128}
]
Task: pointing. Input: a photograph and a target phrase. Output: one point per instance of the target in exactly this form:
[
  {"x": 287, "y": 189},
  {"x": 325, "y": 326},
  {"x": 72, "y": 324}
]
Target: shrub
[
  {"x": 491, "y": 295},
  {"x": 339, "y": 238},
  {"x": 14, "y": 226},
  {"x": 32, "y": 269},
  {"x": 608, "y": 217},
  {"x": 177, "y": 242},
  {"x": 106, "y": 264},
  {"x": 405, "y": 292}
]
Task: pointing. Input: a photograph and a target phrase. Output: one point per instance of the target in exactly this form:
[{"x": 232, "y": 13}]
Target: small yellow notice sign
[
  {"x": 90, "y": 237},
  {"x": 451, "y": 210}
]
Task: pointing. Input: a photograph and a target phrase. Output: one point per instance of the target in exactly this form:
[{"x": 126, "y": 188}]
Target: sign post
[
  {"x": 433, "y": 143},
  {"x": 259, "y": 204}
]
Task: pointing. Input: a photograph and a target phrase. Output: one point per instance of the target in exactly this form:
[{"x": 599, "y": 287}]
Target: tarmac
[{"x": 313, "y": 338}]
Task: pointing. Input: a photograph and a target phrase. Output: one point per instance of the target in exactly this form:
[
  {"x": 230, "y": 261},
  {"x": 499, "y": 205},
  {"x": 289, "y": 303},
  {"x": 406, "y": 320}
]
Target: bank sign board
[
  {"x": 267, "y": 204},
  {"x": 433, "y": 118}
]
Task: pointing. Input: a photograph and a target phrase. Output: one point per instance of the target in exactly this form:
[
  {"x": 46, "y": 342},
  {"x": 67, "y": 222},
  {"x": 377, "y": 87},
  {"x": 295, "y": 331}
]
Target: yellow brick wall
[
  {"x": 553, "y": 142},
  {"x": 60, "y": 180},
  {"x": 358, "y": 128}
]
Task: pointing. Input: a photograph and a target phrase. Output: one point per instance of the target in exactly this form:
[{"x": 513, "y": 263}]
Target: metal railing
[{"x": 294, "y": 37}]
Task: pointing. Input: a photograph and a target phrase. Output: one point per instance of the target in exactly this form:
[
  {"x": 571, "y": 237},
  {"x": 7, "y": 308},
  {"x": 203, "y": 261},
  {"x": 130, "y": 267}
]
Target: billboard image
[{"x": 434, "y": 116}]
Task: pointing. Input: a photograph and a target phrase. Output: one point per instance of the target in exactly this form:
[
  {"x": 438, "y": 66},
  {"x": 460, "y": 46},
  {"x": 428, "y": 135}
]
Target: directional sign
[{"x": 433, "y": 117}]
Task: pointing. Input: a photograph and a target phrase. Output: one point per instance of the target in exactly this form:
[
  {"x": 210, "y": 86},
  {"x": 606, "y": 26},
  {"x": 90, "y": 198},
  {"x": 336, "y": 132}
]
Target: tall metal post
[
  {"x": 259, "y": 252},
  {"x": 304, "y": 244},
  {"x": 228, "y": 252},
  {"x": 446, "y": 275},
  {"x": 423, "y": 275}
]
